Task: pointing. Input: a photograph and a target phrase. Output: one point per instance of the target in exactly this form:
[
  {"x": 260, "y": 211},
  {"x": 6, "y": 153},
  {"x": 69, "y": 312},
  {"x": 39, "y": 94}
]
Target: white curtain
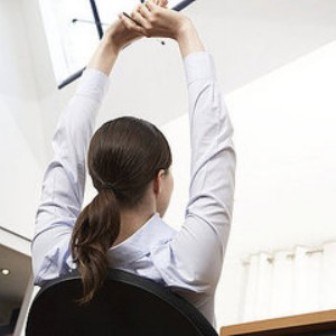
[{"x": 289, "y": 282}]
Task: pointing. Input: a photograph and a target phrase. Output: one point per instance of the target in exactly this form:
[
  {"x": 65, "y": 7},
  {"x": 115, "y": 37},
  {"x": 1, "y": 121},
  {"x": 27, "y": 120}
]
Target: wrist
[
  {"x": 110, "y": 44},
  {"x": 105, "y": 56},
  {"x": 184, "y": 29},
  {"x": 188, "y": 39}
]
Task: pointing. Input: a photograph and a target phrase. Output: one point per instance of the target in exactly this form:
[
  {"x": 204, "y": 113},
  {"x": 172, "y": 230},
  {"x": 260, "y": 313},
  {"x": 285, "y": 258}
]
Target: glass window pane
[
  {"x": 173, "y": 3},
  {"x": 71, "y": 31},
  {"x": 109, "y": 10},
  {"x": 71, "y": 34}
]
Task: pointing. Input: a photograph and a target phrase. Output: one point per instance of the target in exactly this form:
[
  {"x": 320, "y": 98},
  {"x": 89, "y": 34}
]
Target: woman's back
[{"x": 190, "y": 260}]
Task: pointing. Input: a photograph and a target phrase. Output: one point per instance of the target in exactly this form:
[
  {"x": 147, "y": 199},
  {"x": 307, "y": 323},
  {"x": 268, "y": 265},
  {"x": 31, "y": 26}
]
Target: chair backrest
[{"x": 126, "y": 305}]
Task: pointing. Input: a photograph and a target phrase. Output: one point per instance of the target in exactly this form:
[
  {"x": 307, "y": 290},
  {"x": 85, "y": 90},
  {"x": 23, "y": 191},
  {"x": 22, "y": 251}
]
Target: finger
[
  {"x": 162, "y": 3},
  {"x": 142, "y": 21},
  {"x": 130, "y": 25},
  {"x": 150, "y": 5},
  {"x": 131, "y": 18},
  {"x": 143, "y": 10}
]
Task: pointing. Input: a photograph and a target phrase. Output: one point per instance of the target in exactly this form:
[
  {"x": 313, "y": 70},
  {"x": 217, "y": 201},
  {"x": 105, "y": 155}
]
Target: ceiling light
[{"x": 5, "y": 271}]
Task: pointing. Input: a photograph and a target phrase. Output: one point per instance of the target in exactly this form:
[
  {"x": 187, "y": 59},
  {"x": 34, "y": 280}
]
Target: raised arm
[
  {"x": 64, "y": 180},
  {"x": 194, "y": 258}
]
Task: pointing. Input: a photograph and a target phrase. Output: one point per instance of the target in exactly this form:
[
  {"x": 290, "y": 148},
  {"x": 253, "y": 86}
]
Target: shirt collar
[{"x": 154, "y": 232}]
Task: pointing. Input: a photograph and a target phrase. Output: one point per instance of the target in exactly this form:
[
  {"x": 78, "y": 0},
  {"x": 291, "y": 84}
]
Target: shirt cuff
[
  {"x": 199, "y": 65},
  {"x": 93, "y": 84}
]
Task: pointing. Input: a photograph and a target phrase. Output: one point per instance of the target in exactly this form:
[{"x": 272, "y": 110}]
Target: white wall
[
  {"x": 286, "y": 183},
  {"x": 21, "y": 148}
]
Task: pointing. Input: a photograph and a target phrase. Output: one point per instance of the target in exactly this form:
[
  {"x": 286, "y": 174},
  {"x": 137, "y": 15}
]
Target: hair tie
[{"x": 107, "y": 186}]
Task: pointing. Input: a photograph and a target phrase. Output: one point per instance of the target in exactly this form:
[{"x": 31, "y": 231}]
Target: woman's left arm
[{"x": 64, "y": 180}]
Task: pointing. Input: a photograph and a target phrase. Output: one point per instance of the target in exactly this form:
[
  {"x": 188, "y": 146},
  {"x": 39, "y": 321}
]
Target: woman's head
[{"x": 127, "y": 157}]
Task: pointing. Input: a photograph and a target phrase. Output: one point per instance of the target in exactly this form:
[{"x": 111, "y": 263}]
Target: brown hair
[{"x": 124, "y": 156}]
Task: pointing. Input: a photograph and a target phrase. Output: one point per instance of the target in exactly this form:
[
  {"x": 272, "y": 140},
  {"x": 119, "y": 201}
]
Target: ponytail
[
  {"x": 96, "y": 228},
  {"x": 124, "y": 156}
]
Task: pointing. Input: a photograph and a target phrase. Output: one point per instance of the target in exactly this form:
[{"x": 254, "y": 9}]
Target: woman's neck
[{"x": 131, "y": 221}]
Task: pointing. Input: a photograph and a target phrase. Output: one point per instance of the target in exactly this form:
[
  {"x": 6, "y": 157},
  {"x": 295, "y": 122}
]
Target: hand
[
  {"x": 114, "y": 40},
  {"x": 153, "y": 20},
  {"x": 161, "y": 3},
  {"x": 119, "y": 36}
]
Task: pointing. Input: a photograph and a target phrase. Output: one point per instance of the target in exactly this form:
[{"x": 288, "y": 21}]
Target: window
[{"x": 73, "y": 29}]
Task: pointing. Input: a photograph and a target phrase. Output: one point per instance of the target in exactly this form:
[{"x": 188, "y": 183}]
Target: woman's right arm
[{"x": 195, "y": 255}]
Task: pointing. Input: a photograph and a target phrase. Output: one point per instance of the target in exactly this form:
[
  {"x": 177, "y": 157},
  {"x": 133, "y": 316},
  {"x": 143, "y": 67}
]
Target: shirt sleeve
[
  {"x": 64, "y": 181},
  {"x": 194, "y": 257}
]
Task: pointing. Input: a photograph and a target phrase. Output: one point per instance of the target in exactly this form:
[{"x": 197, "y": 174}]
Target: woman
[{"x": 129, "y": 161}]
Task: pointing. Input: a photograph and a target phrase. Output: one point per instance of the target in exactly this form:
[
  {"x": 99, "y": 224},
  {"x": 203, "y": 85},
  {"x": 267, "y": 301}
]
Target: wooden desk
[{"x": 319, "y": 323}]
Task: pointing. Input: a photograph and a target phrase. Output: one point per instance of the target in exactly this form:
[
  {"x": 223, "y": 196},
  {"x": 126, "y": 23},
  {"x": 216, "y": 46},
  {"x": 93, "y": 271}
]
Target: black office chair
[{"x": 126, "y": 305}]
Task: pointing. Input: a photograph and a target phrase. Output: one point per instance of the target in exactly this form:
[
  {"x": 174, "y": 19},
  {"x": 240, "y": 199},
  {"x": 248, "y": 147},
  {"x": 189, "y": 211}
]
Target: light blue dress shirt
[{"x": 189, "y": 260}]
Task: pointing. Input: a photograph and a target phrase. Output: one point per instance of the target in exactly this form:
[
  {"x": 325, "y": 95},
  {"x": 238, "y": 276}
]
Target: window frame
[{"x": 100, "y": 32}]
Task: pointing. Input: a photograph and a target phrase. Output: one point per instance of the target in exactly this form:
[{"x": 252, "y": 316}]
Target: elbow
[
  {"x": 38, "y": 266},
  {"x": 49, "y": 265},
  {"x": 37, "y": 272}
]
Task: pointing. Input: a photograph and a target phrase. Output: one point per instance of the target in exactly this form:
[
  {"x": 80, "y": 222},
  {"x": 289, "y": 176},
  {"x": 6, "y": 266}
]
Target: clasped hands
[{"x": 151, "y": 19}]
